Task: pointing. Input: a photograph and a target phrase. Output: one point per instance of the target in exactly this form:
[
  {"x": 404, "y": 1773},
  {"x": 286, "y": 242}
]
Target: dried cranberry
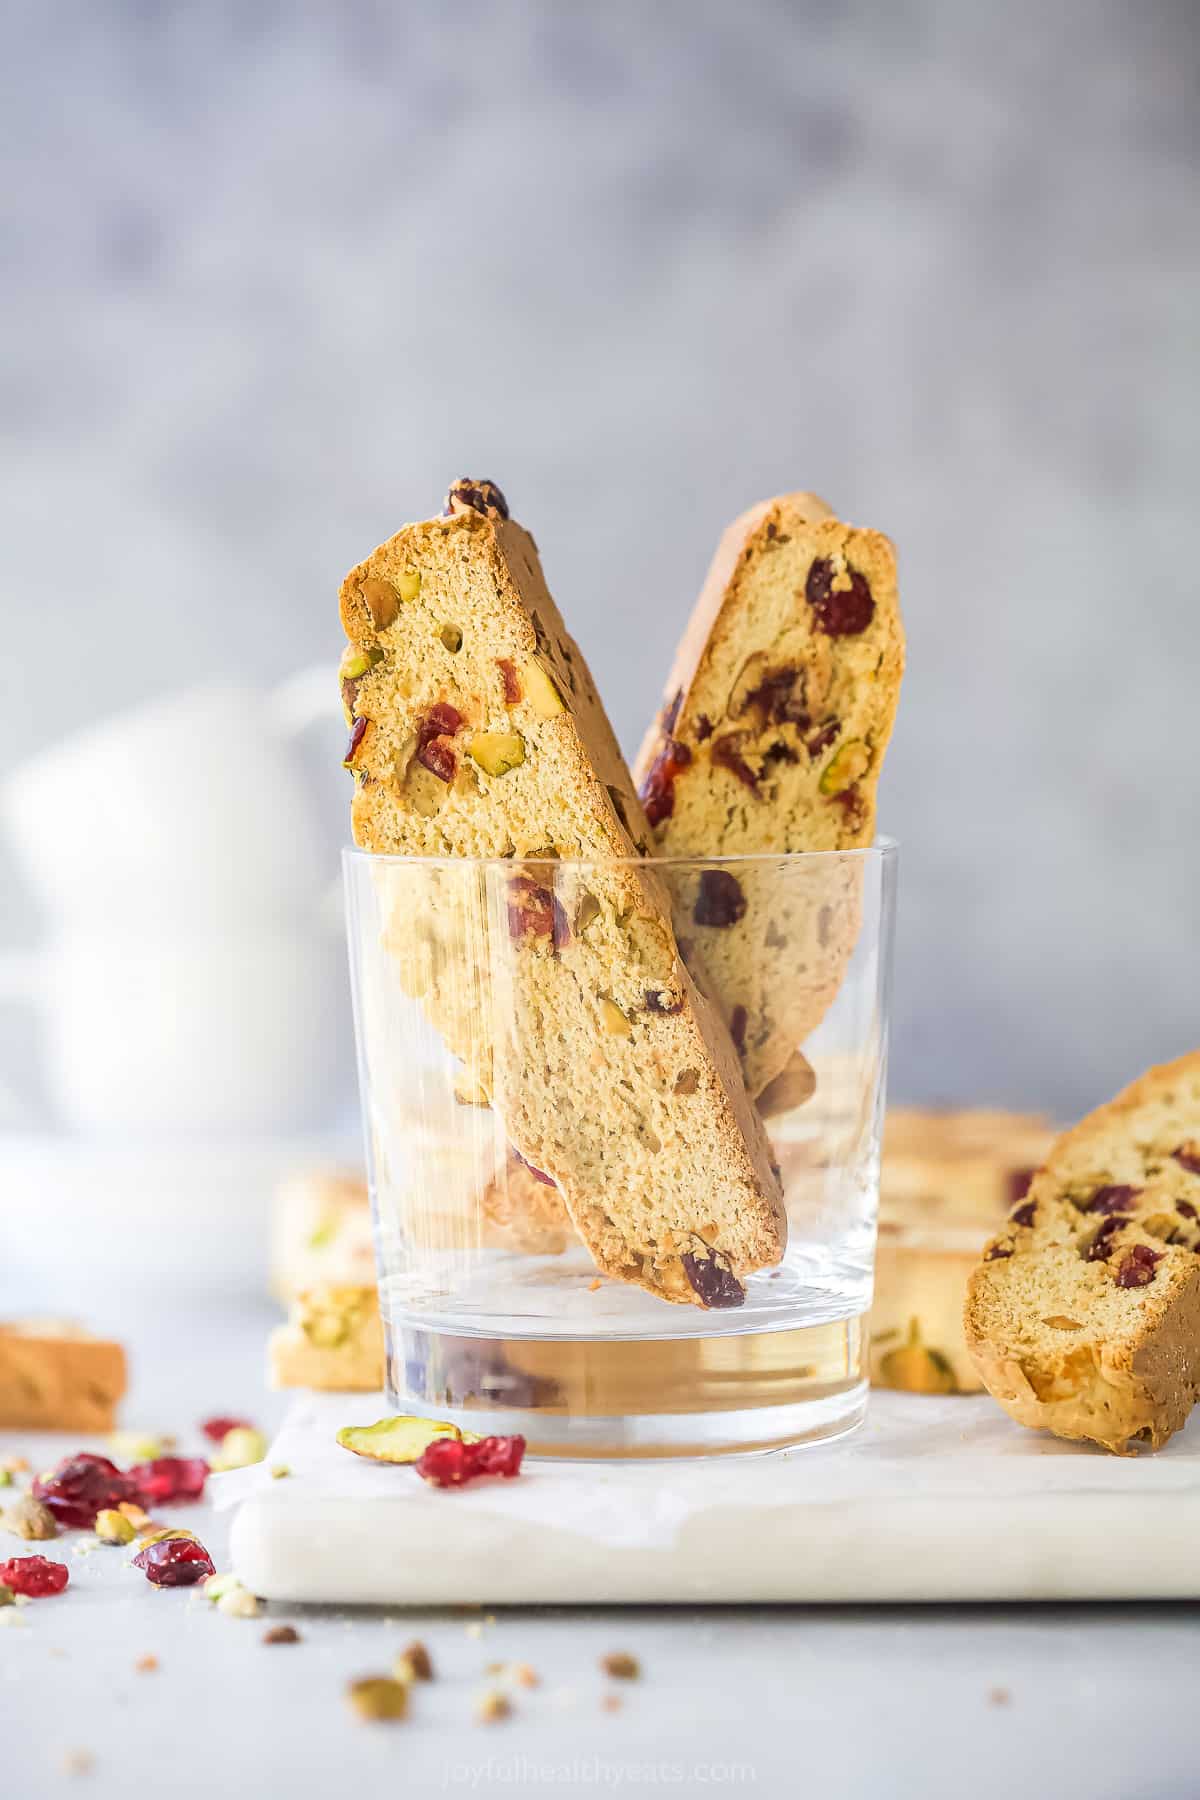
[
  {"x": 170, "y": 1478},
  {"x": 776, "y": 700},
  {"x": 727, "y": 754},
  {"x": 533, "y": 911},
  {"x": 1018, "y": 1184},
  {"x": 1102, "y": 1246},
  {"x": 853, "y": 808},
  {"x": 508, "y": 675},
  {"x": 216, "y": 1430},
  {"x": 1137, "y": 1267},
  {"x": 442, "y": 720},
  {"x": 438, "y": 756},
  {"x": 713, "y": 1280},
  {"x": 175, "y": 1562},
  {"x": 1024, "y": 1214},
  {"x": 1113, "y": 1199},
  {"x": 844, "y": 612},
  {"x": 720, "y": 901},
  {"x": 780, "y": 752},
  {"x": 704, "y": 727},
  {"x": 671, "y": 713},
  {"x": 1186, "y": 1208},
  {"x": 659, "y": 1002},
  {"x": 658, "y": 788},
  {"x": 1188, "y": 1157},
  {"x": 81, "y": 1486},
  {"x": 34, "y": 1576},
  {"x": 538, "y": 1174},
  {"x": 448, "y": 1462},
  {"x": 358, "y": 732},
  {"x": 481, "y": 496},
  {"x": 737, "y": 1025},
  {"x": 822, "y": 737},
  {"x": 995, "y": 1252}
]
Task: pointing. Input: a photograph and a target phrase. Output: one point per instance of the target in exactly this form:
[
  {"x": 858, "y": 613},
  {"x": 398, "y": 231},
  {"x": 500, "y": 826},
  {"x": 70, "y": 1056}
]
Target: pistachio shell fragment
[{"x": 400, "y": 1440}]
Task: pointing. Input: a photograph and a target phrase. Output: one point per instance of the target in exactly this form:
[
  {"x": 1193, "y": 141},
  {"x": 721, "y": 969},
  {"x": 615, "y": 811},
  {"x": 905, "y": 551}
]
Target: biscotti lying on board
[
  {"x": 55, "y": 1376},
  {"x": 775, "y": 720},
  {"x": 947, "y": 1180},
  {"x": 477, "y": 731},
  {"x": 1083, "y": 1316}
]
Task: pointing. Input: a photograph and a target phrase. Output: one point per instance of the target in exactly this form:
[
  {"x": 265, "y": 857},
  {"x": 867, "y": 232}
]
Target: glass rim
[{"x": 883, "y": 850}]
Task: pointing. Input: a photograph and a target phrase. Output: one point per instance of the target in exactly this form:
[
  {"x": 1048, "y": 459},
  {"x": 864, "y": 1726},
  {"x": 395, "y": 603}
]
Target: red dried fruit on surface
[
  {"x": 995, "y": 1253},
  {"x": 175, "y": 1562},
  {"x": 481, "y": 496},
  {"x": 1018, "y": 1184},
  {"x": 538, "y": 1174},
  {"x": 34, "y": 1576},
  {"x": 448, "y": 1462},
  {"x": 357, "y": 734},
  {"x": 1113, "y": 1199},
  {"x": 215, "y": 1430},
  {"x": 81, "y": 1486},
  {"x": 1188, "y": 1157},
  {"x": 659, "y": 1002},
  {"x": 720, "y": 901},
  {"x": 170, "y": 1478},
  {"x": 1137, "y": 1267},
  {"x": 713, "y": 1279},
  {"x": 738, "y": 1020},
  {"x": 658, "y": 787},
  {"x": 1023, "y": 1215},
  {"x": 822, "y": 737},
  {"x": 726, "y": 753},
  {"x": 508, "y": 676},
  {"x": 840, "y": 612},
  {"x": 1102, "y": 1246}
]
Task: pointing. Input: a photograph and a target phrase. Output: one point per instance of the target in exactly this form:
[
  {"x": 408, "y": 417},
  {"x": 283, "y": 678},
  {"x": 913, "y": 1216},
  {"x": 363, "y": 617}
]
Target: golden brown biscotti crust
[
  {"x": 776, "y": 717},
  {"x": 478, "y": 732},
  {"x": 1083, "y": 1316},
  {"x": 55, "y": 1377}
]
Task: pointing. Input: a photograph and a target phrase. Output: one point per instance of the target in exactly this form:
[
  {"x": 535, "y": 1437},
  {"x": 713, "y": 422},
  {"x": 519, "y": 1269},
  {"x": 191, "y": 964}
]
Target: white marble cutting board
[{"x": 934, "y": 1499}]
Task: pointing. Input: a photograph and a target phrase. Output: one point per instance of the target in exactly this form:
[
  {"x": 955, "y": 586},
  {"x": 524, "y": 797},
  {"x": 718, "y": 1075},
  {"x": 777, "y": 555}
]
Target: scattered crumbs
[
  {"x": 612, "y": 1702},
  {"x": 281, "y": 1634},
  {"x": 525, "y": 1675},
  {"x": 146, "y": 1665},
  {"x": 474, "y": 1629},
  {"x": 621, "y": 1666},
  {"x": 595, "y": 1286},
  {"x": 414, "y": 1663},
  {"x": 15, "y": 1465},
  {"x": 999, "y": 1696},
  {"x": 78, "y": 1762},
  {"x": 491, "y": 1706},
  {"x": 85, "y": 1546},
  {"x": 279, "y": 1471}
]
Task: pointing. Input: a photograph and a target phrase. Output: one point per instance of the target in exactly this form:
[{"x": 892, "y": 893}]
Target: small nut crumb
[
  {"x": 220, "y": 1584},
  {"x": 239, "y": 1603},
  {"x": 29, "y": 1519},
  {"x": 279, "y": 1471},
  {"x": 491, "y": 1706},
  {"x": 378, "y": 1697},
  {"x": 239, "y": 1449},
  {"x": 78, "y": 1762},
  {"x": 999, "y": 1696},
  {"x": 595, "y": 1286},
  {"x": 112, "y": 1527},
  {"x": 525, "y": 1675},
  {"x": 136, "y": 1446},
  {"x": 621, "y": 1665},
  {"x": 612, "y": 1702},
  {"x": 7, "y": 1597},
  {"x": 281, "y": 1634},
  {"x": 146, "y": 1665},
  {"x": 474, "y": 1629},
  {"x": 137, "y": 1515},
  {"x": 414, "y": 1663},
  {"x": 15, "y": 1465}
]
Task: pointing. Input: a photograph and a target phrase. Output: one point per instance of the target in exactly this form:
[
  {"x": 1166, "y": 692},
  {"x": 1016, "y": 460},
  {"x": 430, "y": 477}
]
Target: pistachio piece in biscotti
[
  {"x": 771, "y": 739},
  {"x": 1083, "y": 1312},
  {"x": 535, "y": 965}
]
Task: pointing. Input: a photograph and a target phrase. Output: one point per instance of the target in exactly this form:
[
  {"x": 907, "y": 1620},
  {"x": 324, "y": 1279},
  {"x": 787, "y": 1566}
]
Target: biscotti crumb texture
[
  {"x": 55, "y": 1376},
  {"x": 1083, "y": 1316},
  {"x": 333, "y": 1340},
  {"x": 771, "y": 739},
  {"x": 476, "y": 732}
]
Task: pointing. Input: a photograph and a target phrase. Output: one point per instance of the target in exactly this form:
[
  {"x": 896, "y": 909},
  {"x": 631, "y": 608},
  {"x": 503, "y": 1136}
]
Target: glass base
[{"x": 589, "y": 1399}]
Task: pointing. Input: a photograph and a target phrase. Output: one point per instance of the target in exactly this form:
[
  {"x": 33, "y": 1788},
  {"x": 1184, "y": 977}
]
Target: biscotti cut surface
[
  {"x": 1083, "y": 1316},
  {"x": 333, "y": 1340},
  {"x": 776, "y": 717},
  {"x": 477, "y": 731},
  {"x": 55, "y": 1376}
]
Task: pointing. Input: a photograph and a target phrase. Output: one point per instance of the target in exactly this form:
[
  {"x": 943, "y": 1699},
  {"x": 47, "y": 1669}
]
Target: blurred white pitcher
[{"x": 190, "y": 981}]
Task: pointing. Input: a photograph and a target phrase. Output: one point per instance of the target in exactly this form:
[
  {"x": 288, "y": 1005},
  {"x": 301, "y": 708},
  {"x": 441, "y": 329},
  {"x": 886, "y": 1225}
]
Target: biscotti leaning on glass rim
[
  {"x": 771, "y": 738},
  {"x": 1083, "y": 1316},
  {"x": 477, "y": 732}
]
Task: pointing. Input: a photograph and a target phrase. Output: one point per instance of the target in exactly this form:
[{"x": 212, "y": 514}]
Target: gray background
[{"x": 274, "y": 273}]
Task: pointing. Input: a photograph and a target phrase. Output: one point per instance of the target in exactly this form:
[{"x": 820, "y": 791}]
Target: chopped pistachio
[
  {"x": 378, "y": 1697},
  {"x": 239, "y": 1449}
]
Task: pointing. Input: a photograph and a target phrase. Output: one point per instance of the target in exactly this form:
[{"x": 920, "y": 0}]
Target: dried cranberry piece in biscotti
[
  {"x": 477, "y": 496},
  {"x": 738, "y": 1020},
  {"x": 713, "y": 1280},
  {"x": 843, "y": 611},
  {"x": 510, "y": 680},
  {"x": 720, "y": 901},
  {"x": 1024, "y": 1215},
  {"x": 438, "y": 756},
  {"x": 1113, "y": 1199},
  {"x": 1018, "y": 1184},
  {"x": 658, "y": 788},
  {"x": 727, "y": 754},
  {"x": 1102, "y": 1246},
  {"x": 1188, "y": 1157},
  {"x": 1137, "y": 1267},
  {"x": 995, "y": 1252}
]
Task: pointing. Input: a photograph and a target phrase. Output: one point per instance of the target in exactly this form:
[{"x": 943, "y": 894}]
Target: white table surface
[{"x": 789, "y": 1700}]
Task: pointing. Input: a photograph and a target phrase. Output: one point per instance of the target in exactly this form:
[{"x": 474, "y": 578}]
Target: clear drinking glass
[{"x": 495, "y": 1315}]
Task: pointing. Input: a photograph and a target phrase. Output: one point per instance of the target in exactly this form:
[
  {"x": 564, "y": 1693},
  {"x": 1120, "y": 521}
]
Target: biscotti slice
[
  {"x": 946, "y": 1180},
  {"x": 1083, "y": 1316},
  {"x": 776, "y": 717},
  {"x": 477, "y": 732},
  {"x": 55, "y": 1376},
  {"x": 333, "y": 1340}
]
